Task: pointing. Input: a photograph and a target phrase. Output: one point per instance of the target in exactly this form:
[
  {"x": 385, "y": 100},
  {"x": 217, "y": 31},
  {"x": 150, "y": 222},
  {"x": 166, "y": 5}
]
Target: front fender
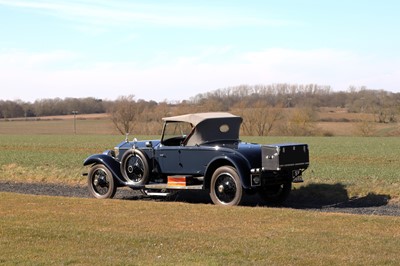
[
  {"x": 239, "y": 162},
  {"x": 109, "y": 162}
]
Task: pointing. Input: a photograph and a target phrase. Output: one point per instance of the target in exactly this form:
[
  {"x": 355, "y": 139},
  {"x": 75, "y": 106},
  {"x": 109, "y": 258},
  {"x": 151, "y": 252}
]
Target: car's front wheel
[
  {"x": 101, "y": 182},
  {"x": 226, "y": 188}
]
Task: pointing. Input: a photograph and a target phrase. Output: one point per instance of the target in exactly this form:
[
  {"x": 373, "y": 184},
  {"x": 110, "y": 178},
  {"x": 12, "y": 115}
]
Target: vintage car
[{"x": 200, "y": 151}]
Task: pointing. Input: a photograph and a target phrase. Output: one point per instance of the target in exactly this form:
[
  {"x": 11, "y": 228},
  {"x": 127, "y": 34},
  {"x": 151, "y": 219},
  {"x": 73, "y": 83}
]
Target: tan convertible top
[
  {"x": 197, "y": 118},
  {"x": 210, "y": 126}
]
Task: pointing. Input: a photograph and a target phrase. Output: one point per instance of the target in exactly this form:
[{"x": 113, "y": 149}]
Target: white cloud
[
  {"x": 16, "y": 59},
  {"x": 186, "y": 77},
  {"x": 324, "y": 66},
  {"x": 122, "y": 13}
]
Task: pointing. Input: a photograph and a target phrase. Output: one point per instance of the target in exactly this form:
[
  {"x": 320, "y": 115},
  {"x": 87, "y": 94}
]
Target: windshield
[{"x": 175, "y": 133}]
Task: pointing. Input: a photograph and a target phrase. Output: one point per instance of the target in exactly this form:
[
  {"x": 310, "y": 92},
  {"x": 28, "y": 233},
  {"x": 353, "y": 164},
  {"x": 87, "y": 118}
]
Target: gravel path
[{"x": 369, "y": 205}]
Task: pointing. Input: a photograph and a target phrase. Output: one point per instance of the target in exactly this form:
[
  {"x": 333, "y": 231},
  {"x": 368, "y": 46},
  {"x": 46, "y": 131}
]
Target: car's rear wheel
[
  {"x": 275, "y": 194},
  {"x": 135, "y": 168},
  {"x": 226, "y": 188},
  {"x": 101, "y": 182}
]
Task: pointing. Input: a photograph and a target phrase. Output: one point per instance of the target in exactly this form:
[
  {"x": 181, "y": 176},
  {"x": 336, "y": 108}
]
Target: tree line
[
  {"x": 51, "y": 107},
  {"x": 266, "y": 110},
  {"x": 289, "y": 108},
  {"x": 356, "y": 99}
]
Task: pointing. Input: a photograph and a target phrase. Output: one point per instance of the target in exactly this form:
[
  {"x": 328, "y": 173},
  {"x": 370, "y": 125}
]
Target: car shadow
[
  {"x": 311, "y": 196},
  {"x": 332, "y": 195},
  {"x": 187, "y": 196}
]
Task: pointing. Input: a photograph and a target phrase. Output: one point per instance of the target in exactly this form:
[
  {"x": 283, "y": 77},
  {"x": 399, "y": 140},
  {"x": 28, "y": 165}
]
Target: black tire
[
  {"x": 275, "y": 194},
  {"x": 135, "y": 167},
  {"x": 226, "y": 187},
  {"x": 101, "y": 183}
]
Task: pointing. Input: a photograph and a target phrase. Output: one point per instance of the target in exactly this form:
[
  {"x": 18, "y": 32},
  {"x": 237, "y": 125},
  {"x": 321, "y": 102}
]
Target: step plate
[{"x": 166, "y": 186}]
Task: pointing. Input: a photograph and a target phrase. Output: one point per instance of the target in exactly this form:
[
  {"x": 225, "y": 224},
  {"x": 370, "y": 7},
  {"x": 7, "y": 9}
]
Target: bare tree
[
  {"x": 9, "y": 109},
  {"x": 386, "y": 109},
  {"x": 299, "y": 122},
  {"x": 260, "y": 119},
  {"x": 266, "y": 117},
  {"x": 365, "y": 127},
  {"x": 123, "y": 112}
]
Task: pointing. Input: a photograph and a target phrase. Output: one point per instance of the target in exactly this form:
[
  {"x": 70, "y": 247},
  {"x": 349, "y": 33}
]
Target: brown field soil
[
  {"x": 78, "y": 117},
  {"x": 341, "y": 114},
  {"x": 53, "y": 125},
  {"x": 330, "y": 121},
  {"x": 353, "y": 128},
  {"x": 62, "y": 117},
  {"x": 339, "y": 122}
]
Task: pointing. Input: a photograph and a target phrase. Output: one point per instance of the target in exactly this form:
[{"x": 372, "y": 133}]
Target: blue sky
[{"x": 173, "y": 50}]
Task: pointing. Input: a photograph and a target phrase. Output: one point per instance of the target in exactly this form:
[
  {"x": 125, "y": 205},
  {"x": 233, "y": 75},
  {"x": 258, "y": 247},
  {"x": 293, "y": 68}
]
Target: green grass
[
  {"x": 362, "y": 165},
  {"x": 52, "y": 158},
  {"x": 40, "y": 230}
]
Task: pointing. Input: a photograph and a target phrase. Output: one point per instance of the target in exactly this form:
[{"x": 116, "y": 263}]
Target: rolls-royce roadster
[{"x": 199, "y": 151}]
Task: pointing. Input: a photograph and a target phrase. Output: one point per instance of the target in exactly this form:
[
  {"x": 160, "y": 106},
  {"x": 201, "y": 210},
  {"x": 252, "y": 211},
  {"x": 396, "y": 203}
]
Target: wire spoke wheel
[
  {"x": 134, "y": 167},
  {"x": 226, "y": 188},
  {"x": 101, "y": 182}
]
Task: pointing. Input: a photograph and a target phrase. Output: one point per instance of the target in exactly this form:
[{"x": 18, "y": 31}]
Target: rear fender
[
  {"x": 239, "y": 163},
  {"x": 109, "y": 162}
]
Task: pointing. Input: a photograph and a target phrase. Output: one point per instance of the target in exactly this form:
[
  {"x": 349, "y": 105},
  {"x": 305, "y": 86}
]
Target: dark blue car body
[{"x": 208, "y": 155}]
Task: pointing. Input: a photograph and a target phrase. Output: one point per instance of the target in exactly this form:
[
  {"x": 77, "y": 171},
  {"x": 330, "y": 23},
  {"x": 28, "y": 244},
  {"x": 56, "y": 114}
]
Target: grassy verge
[{"x": 56, "y": 230}]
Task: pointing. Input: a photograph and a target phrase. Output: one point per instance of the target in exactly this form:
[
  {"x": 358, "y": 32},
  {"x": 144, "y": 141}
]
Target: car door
[
  {"x": 183, "y": 160},
  {"x": 168, "y": 159},
  {"x": 194, "y": 159}
]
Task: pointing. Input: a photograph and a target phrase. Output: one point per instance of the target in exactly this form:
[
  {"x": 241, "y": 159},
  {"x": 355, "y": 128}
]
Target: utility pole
[{"x": 75, "y": 113}]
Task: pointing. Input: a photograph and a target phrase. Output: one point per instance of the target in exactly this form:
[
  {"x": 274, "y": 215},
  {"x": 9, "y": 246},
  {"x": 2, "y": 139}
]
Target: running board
[
  {"x": 166, "y": 186},
  {"x": 157, "y": 194}
]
